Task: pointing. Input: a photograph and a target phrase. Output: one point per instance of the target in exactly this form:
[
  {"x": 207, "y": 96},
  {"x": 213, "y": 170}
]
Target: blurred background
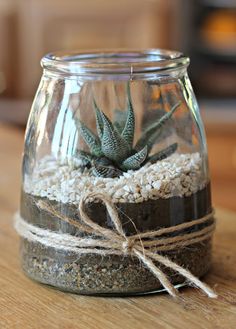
[{"x": 205, "y": 30}]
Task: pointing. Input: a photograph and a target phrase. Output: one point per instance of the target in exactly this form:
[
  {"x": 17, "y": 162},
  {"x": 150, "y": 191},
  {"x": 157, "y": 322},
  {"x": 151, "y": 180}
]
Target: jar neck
[{"x": 120, "y": 65}]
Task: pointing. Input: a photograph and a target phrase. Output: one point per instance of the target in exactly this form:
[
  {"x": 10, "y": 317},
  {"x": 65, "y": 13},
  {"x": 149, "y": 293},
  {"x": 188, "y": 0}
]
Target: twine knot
[
  {"x": 127, "y": 246},
  {"x": 113, "y": 241}
]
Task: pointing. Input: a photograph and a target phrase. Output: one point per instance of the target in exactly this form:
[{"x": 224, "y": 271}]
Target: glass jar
[{"x": 127, "y": 125}]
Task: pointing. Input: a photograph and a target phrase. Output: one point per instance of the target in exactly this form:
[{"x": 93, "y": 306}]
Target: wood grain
[
  {"x": 26, "y": 304},
  {"x": 222, "y": 159}
]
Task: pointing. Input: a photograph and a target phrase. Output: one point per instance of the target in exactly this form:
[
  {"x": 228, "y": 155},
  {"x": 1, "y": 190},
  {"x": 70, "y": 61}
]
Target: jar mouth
[{"x": 126, "y": 62}]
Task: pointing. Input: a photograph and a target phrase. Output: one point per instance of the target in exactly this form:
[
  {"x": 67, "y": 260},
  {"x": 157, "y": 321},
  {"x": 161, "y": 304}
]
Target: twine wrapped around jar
[{"x": 104, "y": 241}]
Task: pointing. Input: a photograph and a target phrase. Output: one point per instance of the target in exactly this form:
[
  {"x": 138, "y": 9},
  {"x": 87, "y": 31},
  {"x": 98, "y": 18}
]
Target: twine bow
[{"x": 145, "y": 246}]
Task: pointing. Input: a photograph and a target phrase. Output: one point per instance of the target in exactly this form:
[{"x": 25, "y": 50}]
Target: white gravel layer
[{"x": 178, "y": 175}]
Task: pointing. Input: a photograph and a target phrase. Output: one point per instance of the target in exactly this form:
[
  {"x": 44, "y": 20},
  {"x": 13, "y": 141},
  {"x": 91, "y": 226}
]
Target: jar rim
[{"x": 118, "y": 61}]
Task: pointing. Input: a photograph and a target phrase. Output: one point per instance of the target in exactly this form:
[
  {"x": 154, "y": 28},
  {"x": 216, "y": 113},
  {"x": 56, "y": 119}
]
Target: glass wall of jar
[{"x": 125, "y": 124}]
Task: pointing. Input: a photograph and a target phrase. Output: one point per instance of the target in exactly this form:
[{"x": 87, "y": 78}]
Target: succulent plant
[{"x": 112, "y": 150}]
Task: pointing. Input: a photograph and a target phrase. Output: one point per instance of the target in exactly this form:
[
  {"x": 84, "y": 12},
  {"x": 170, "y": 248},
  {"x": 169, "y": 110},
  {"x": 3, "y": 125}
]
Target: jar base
[
  {"x": 108, "y": 294},
  {"x": 106, "y": 276}
]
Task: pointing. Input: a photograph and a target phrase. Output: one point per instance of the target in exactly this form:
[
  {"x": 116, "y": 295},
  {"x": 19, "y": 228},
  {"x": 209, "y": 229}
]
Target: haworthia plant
[{"x": 112, "y": 151}]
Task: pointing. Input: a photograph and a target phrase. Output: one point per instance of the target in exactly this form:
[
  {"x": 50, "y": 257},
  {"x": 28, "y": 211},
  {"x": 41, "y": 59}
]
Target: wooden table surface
[{"x": 25, "y": 304}]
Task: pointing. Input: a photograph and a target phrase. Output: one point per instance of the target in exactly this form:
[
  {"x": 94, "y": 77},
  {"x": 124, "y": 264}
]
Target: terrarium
[{"x": 122, "y": 132}]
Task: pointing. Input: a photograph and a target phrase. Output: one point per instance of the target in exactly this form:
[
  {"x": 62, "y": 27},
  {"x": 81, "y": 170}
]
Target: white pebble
[
  {"x": 157, "y": 184},
  {"x": 178, "y": 175}
]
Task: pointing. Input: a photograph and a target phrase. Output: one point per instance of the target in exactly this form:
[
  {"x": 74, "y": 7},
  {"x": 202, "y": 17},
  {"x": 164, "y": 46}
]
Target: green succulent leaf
[
  {"x": 136, "y": 160},
  {"x": 105, "y": 170},
  {"x": 114, "y": 147},
  {"x": 118, "y": 127},
  {"x": 90, "y": 139},
  {"x": 111, "y": 150},
  {"x": 99, "y": 121},
  {"x": 119, "y": 119},
  {"x": 86, "y": 157},
  {"x": 152, "y": 139},
  {"x": 163, "y": 154},
  {"x": 149, "y": 136},
  {"x": 128, "y": 131}
]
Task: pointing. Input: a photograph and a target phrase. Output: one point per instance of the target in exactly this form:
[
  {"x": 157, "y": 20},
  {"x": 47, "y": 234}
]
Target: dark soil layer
[
  {"x": 147, "y": 215},
  {"x": 112, "y": 275},
  {"x": 94, "y": 274}
]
